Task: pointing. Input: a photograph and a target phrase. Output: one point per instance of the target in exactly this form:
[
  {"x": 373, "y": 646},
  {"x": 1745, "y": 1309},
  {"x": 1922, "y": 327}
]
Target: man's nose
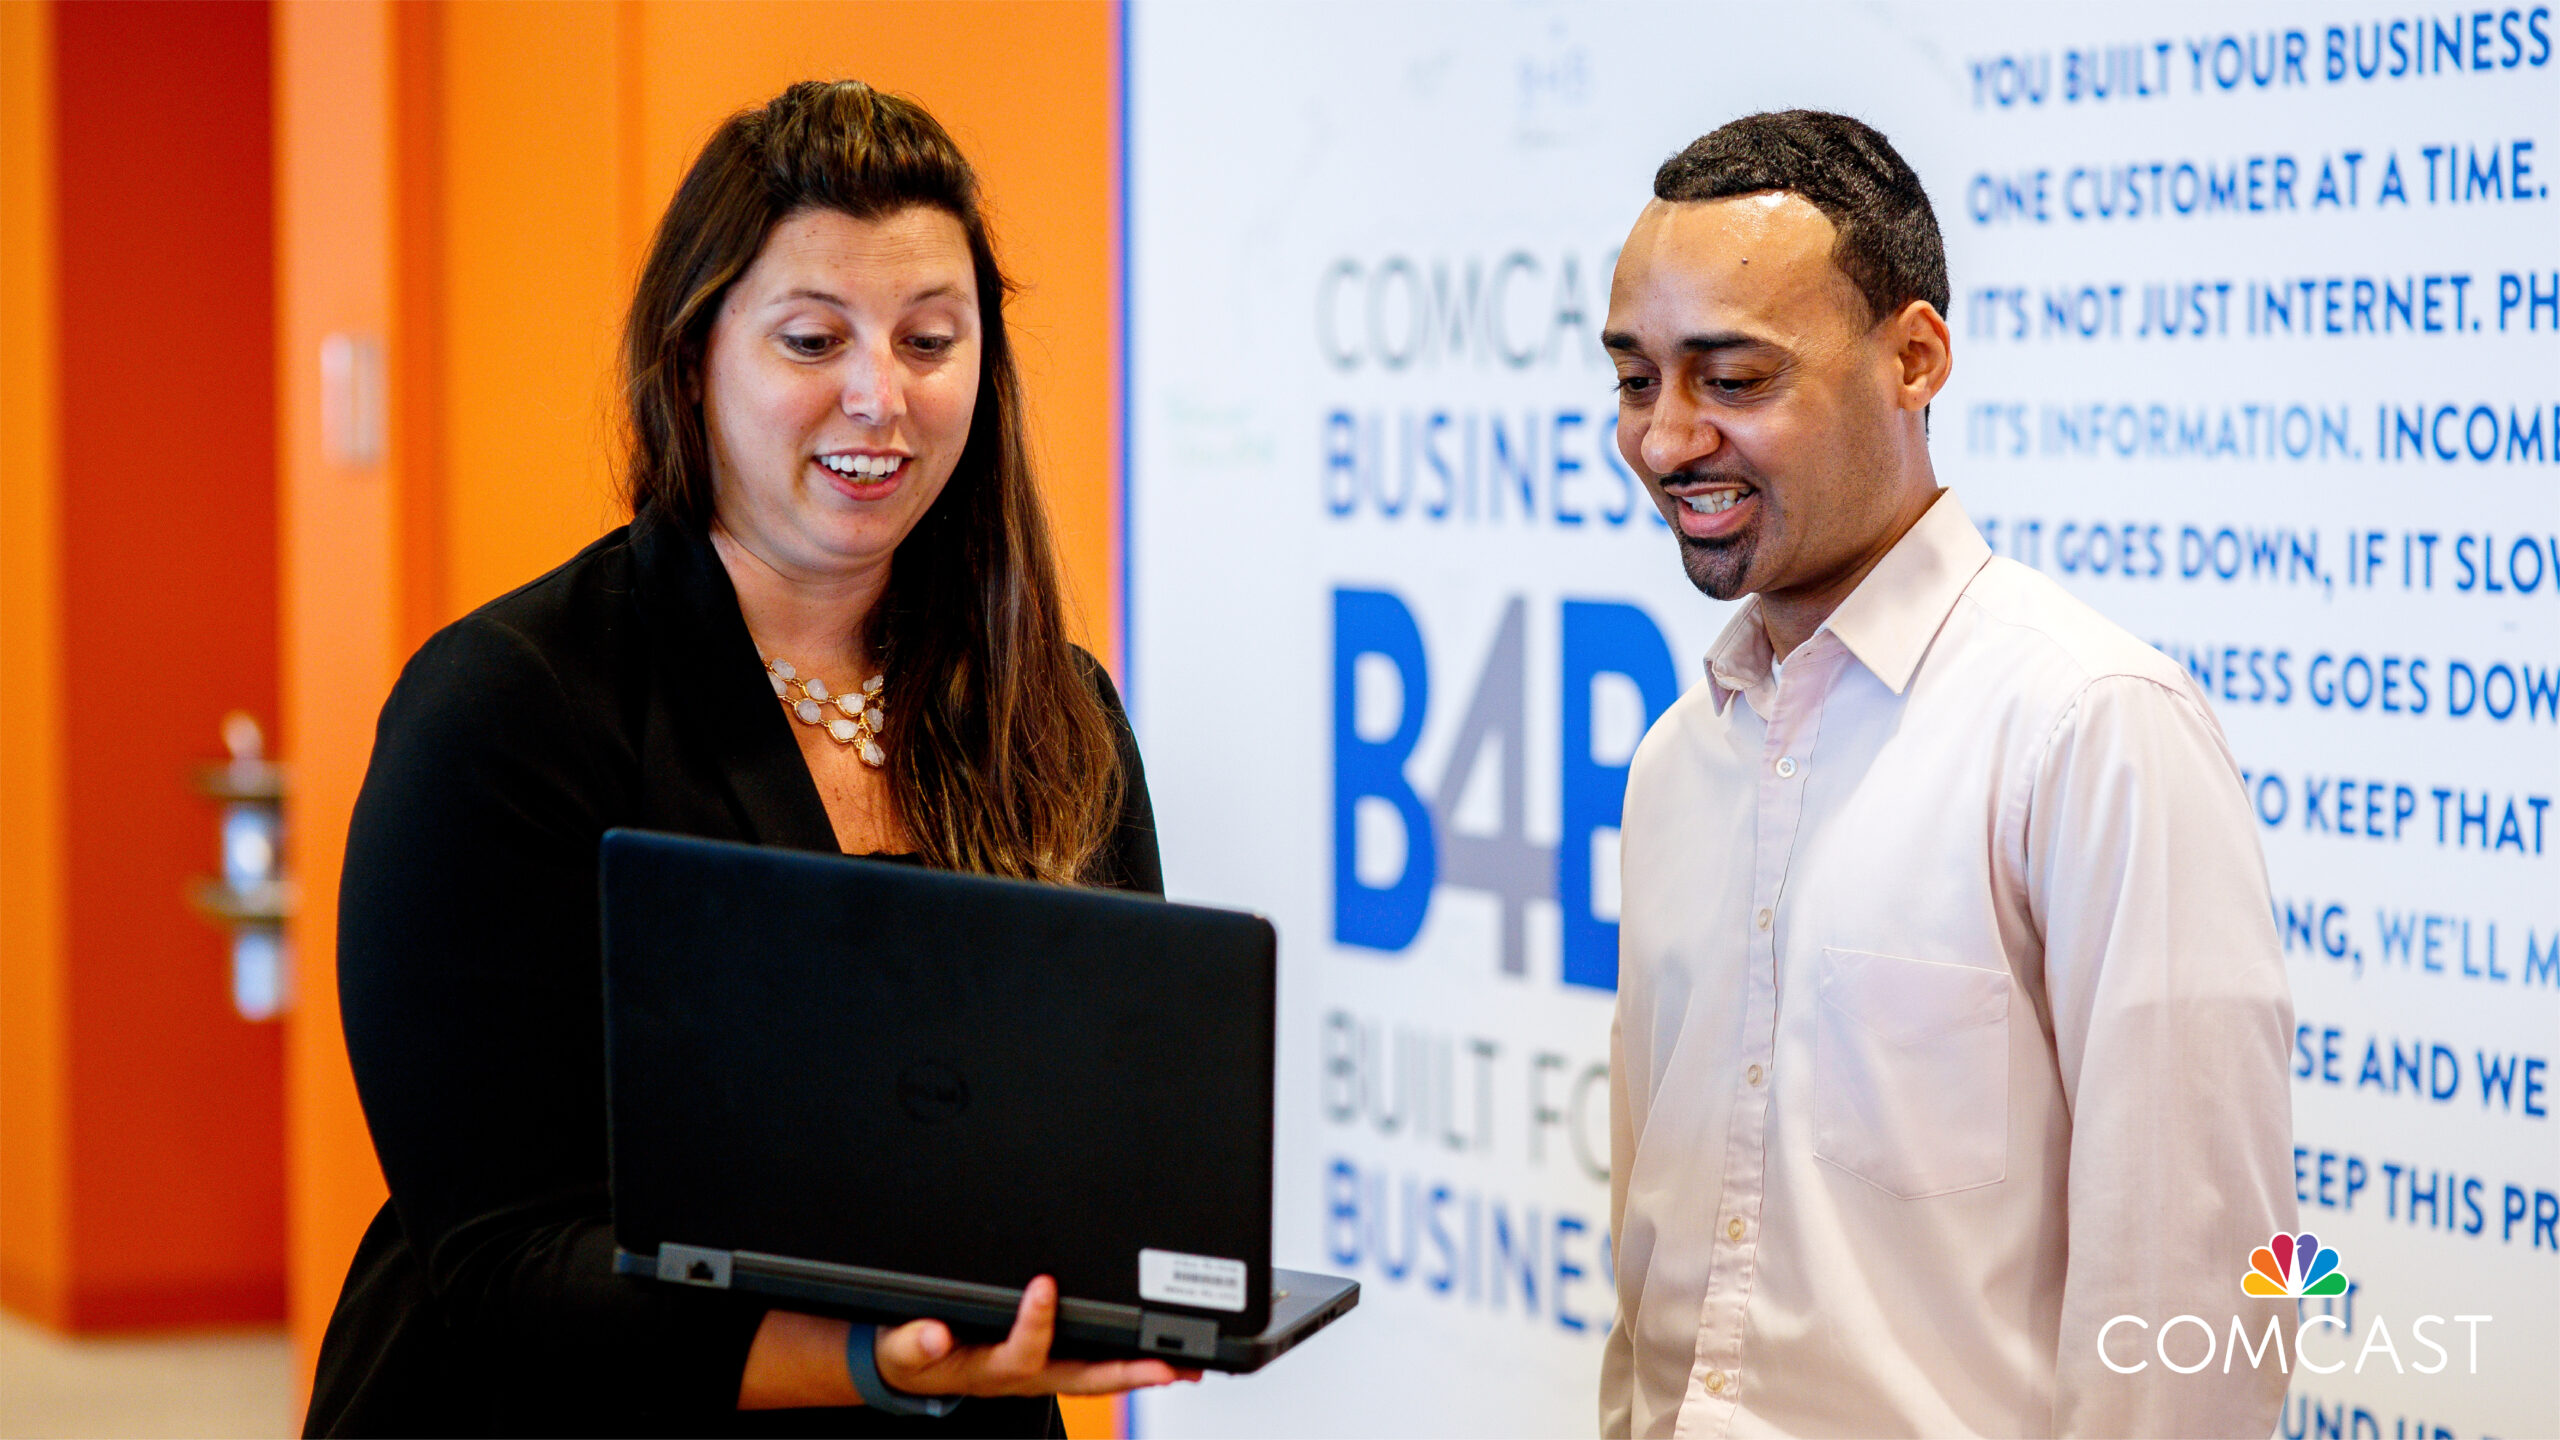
[
  {"x": 1679, "y": 435},
  {"x": 872, "y": 394}
]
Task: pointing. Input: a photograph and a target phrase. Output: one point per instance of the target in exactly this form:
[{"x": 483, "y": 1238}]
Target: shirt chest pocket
[{"x": 1911, "y": 1073}]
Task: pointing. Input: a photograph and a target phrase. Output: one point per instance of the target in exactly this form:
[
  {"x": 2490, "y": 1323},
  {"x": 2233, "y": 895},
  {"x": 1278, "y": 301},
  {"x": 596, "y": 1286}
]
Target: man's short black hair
[{"x": 1889, "y": 245}]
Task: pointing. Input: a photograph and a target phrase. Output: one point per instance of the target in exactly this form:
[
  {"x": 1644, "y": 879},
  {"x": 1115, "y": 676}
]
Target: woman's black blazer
[{"x": 620, "y": 689}]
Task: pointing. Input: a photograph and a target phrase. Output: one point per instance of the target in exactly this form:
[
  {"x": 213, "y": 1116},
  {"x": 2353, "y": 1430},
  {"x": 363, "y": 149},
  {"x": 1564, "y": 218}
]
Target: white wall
[{"x": 1291, "y": 167}]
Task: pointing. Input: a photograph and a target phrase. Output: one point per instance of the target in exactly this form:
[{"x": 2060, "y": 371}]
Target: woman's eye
[
  {"x": 931, "y": 344},
  {"x": 811, "y": 346}
]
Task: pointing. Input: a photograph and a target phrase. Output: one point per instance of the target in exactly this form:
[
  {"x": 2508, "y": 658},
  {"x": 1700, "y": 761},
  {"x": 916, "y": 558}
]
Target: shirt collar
[
  {"x": 1739, "y": 660},
  {"x": 1887, "y": 622}
]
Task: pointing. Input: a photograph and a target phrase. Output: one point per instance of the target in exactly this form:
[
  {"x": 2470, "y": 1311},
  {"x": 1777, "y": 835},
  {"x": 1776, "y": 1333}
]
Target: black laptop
[{"x": 889, "y": 1092}]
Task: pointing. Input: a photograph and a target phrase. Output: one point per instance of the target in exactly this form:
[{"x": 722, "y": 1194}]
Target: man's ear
[{"x": 1923, "y": 352}]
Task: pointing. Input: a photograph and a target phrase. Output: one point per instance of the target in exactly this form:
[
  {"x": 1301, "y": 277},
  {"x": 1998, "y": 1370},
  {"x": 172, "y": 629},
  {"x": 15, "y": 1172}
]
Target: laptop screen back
[{"x": 947, "y": 1076}]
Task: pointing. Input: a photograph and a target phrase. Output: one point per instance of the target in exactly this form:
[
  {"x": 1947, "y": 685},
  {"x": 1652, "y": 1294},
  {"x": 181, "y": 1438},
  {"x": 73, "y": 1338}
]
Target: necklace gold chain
[{"x": 858, "y": 721}]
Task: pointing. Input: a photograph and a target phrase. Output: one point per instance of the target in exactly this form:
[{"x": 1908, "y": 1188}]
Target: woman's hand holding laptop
[{"x": 921, "y": 1358}]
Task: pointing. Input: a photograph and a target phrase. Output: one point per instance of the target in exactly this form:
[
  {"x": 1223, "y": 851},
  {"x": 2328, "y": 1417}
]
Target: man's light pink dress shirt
[{"x": 1951, "y": 1023}]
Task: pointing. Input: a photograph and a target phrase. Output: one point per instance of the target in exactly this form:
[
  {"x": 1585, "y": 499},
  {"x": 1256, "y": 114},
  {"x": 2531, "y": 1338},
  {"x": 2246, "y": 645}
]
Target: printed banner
[{"x": 2257, "y": 320}]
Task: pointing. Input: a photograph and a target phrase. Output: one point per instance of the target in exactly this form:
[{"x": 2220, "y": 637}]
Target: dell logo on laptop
[{"x": 932, "y": 1091}]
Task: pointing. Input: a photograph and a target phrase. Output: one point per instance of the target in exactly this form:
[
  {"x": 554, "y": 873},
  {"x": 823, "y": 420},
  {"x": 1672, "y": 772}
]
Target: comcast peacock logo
[
  {"x": 2293, "y": 1266},
  {"x": 2287, "y": 1267}
]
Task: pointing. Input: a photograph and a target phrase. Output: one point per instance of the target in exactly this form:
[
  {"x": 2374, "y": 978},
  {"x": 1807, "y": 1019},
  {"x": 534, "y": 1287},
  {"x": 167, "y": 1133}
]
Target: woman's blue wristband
[{"x": 864, "y": 1364}]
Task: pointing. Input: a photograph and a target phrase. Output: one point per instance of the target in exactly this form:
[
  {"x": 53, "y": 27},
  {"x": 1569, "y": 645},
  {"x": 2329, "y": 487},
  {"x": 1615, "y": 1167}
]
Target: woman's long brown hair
[{"x": 1001, "y": 758}]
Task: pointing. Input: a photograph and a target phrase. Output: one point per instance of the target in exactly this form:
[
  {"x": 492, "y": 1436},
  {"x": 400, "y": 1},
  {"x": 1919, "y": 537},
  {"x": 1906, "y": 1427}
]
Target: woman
[{"x": 832, "y": 507}]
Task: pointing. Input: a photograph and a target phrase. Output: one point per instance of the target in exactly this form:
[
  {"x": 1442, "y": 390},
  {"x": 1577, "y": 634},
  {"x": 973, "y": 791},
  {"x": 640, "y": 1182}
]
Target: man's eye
[
  {"x": 1730, "y": 385},
  {"x": 1633, "y": 385}
]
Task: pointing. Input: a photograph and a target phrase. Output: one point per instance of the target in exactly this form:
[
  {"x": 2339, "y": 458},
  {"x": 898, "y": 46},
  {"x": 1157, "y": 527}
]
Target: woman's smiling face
[{"x": 837, "y": 387}]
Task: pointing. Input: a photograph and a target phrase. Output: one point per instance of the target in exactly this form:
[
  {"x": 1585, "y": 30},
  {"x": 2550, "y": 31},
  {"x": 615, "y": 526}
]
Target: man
[{"x": 1951, "y": 1018}]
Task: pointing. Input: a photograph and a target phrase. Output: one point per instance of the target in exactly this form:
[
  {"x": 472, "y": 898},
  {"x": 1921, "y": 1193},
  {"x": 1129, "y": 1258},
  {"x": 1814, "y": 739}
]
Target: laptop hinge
[
  {"x": 693, "y": 1265},
  {"x": 1184, "y": 1335}
]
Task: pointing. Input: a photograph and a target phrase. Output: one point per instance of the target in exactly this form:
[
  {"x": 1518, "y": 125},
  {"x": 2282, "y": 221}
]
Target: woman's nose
[{"x": 871, "y": 394}]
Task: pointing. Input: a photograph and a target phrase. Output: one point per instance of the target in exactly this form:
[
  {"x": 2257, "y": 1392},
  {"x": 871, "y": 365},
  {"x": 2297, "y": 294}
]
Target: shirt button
[
  {"x": 1752, "y": 1074},
  {"x": 1786, "y": 766},
  {"x": 1717, "y": 1380},
  {"x": 1761, "y": 919},
  {"x": 1733, "y": 1228}
]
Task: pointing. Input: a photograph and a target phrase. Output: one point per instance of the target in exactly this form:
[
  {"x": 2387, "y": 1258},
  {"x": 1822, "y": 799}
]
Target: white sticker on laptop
[{"x": 1203, "y": 1280}]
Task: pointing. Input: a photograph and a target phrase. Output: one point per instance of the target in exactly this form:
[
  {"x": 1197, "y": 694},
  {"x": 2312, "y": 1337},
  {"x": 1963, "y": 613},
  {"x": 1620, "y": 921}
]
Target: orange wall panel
[
  {"x": 34, "y": 1216},
  {"x": 342, "y": 630},
  {"x": 533, "y": 279}
]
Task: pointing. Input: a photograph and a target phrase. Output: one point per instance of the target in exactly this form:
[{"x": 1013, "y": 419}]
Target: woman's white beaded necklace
[{"x": 860, "y": 722}]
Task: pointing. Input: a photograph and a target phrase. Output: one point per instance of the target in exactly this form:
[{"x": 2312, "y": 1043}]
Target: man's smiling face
[{"x": 1765, "y": 409}]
